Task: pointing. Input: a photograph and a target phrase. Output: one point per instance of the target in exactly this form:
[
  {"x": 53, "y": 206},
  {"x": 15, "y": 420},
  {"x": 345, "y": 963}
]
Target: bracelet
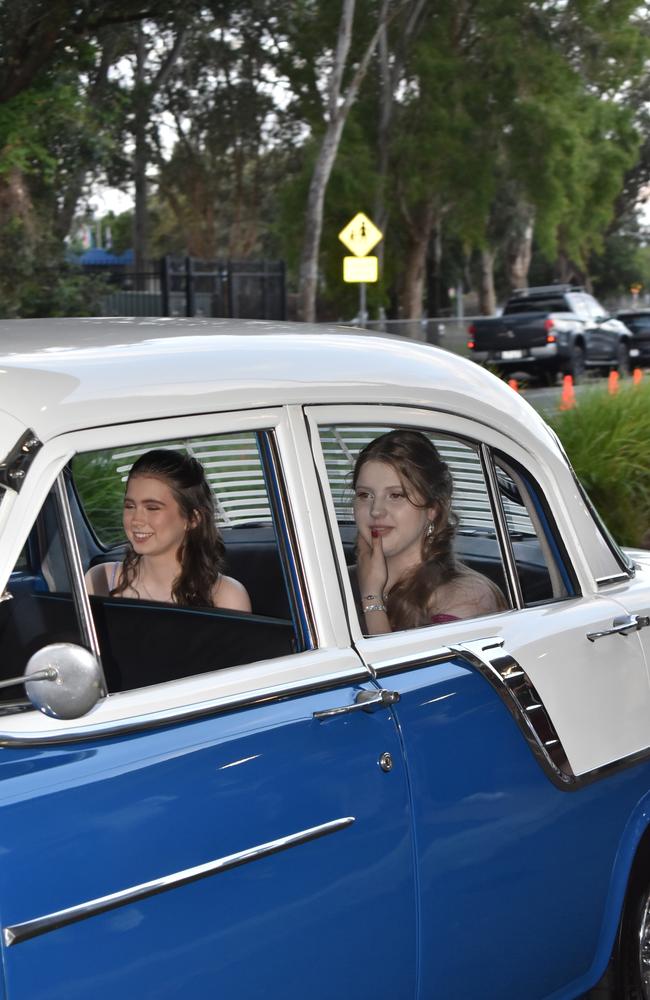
[{"x": 373, "y": 607}]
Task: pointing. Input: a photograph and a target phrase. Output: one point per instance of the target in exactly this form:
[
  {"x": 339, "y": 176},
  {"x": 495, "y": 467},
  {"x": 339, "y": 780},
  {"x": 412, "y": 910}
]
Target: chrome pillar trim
[
  {"x": 516, "y": 690},
  {"x": 16, "y": 465},
  {"x": 15, "y": 933},
  {"x": 398, "y": 664},
  {"x": 79, "y": 592},
  {"x": 287, "y": 539},
  {"x": 503, "y": 535},
  {"x": 175, "y": 716}
]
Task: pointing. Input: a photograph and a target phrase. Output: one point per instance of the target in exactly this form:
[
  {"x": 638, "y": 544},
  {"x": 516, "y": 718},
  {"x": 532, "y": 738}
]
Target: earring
[{"x": 430, "y": 529}]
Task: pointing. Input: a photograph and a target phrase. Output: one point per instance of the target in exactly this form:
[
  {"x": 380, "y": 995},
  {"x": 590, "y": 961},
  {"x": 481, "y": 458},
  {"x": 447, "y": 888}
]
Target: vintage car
[{"x": 199, "y": 802}]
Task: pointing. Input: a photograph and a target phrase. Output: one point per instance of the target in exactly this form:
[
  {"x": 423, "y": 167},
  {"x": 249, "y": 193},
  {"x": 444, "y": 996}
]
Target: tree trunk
[
  {"x": 487, "y": 294},
  {"x": 140, "y": 158},
  {"x": 415, "y": 267},
  {"x": 520, "y": 251},
  {"x": 314, "y": 221},
  {"x": 339, "y": 103}
]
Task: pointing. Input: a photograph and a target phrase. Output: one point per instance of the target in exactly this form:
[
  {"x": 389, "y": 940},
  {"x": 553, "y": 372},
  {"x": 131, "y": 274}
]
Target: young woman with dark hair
[
  {"x": 407, "y": 571},
  {"x": 176, "y": 553}
]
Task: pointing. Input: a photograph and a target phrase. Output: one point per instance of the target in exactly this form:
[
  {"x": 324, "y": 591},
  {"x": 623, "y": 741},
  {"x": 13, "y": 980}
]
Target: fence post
[
  {"x": 283, "y": 290},
  {"x": 265, "y": 288},
  {"x": 231, "y": 311},
  {"x": 164, "y": 286},
  {"x": 189, "y": 288}
]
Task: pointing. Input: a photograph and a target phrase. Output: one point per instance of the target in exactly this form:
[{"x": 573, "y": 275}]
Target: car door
[
  {"x": 516, "y": 726},
  {"x": 232, "y": 832}
]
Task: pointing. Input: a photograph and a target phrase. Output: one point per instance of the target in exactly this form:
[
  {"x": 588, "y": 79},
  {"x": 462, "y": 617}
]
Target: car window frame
[
  {"x": 328, "y": 665},
  {"x": 486, "y": 440}
]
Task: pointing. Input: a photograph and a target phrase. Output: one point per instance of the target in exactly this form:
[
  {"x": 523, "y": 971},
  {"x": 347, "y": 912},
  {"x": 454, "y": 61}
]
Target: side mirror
[{"x": 62, "y": 680}]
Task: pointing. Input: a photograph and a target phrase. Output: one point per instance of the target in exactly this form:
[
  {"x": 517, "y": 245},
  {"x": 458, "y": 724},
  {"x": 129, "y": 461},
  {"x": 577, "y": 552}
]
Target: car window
[
  {"x": 542, "y": 568},
  {"x": 146, "y": 641},
  {"x": 528, "y": 305},
  {"x": 232, "y": 468},
  {"x": 37, "y": 607},
  {"x": 475, "y": 540}
]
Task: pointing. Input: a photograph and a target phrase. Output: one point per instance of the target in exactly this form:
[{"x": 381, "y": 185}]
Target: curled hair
[
  {"x": 202, "y": 552},
  {"x": 428, "y": 483}
]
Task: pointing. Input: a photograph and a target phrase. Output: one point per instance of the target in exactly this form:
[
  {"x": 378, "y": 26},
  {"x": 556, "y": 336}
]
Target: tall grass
[{"x": 607, "y": 439}]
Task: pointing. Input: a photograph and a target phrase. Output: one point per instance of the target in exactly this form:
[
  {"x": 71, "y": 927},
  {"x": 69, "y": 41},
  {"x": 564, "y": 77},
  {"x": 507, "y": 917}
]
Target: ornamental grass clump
[{"x": 607, "y": 440}]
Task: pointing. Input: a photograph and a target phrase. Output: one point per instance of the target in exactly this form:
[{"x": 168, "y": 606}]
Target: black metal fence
[{"x": 186, "y": 286}]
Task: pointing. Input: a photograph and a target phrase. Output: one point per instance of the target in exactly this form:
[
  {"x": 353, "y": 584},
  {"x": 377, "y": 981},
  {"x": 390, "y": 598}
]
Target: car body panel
[
  {"x": 504, "y": 829},
  {"x": 488, "y": 852},
  {"x": 109, "y": 815}
]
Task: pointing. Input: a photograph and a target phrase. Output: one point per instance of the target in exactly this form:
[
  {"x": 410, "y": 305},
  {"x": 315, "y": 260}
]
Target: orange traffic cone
[
  {"x": 514, "y": 384},
  {"x": 637, "y": 375},
  {"x": 568, "y": 398},
  {"x": 612, "y": 383}
]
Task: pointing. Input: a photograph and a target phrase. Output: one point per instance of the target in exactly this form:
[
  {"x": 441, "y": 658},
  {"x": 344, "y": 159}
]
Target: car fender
[{"x": 634, "y": 846}]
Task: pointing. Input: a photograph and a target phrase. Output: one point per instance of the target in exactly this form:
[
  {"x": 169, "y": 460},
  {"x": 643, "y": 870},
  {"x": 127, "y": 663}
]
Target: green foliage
[{"x": 606, "y": 439}]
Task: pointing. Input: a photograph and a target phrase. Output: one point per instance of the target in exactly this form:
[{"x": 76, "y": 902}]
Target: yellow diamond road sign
[{"x": 360, "y": 235}]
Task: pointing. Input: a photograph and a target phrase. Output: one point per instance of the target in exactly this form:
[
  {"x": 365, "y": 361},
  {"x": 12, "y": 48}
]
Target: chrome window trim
[
  {"x": 287, "y": 539},
  {"x": 187, "y": 713},
  {"x": 75, "y": 567},
  {"x": 16, "y": 933},
  {"x": 505, "y": 542}
]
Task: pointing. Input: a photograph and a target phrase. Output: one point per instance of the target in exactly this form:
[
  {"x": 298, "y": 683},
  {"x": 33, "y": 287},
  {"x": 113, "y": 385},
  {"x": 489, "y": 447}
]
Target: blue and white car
[{"x": 199, "y": 803}]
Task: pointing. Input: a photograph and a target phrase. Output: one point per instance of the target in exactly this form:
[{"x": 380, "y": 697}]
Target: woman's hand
[{"x": 372, "y": 571}]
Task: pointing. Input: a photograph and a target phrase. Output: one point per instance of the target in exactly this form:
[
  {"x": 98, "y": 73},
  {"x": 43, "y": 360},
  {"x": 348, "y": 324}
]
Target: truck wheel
[
  {"x": 576, "y": 366},
  {"x": 635, "y": 943}
]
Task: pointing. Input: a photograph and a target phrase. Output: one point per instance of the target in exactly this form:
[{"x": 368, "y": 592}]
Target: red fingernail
[{"x": 374, "y": 532}]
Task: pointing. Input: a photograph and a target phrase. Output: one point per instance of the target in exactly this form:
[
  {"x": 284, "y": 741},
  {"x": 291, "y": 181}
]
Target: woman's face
[
  {"x": 382, "y": 507},
  {"x": 152, "y": 518}
]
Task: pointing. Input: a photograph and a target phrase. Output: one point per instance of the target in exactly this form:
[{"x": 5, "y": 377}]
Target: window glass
[
  {"x": 540, "y": 563},
  {"x": 457, "y": 572},
  {"x": 149, "y": 635},
  {"x": 38, "y": 607},
  {"x": 232, "y": 469}
]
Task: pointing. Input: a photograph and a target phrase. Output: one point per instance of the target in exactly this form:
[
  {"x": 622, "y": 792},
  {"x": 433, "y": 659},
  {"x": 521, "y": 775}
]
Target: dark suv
[{"x": 638, "y": 322}]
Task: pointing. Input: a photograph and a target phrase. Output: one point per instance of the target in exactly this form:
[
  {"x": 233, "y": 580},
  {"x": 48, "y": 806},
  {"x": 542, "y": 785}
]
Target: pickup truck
[{"x": 551, "y": 330}]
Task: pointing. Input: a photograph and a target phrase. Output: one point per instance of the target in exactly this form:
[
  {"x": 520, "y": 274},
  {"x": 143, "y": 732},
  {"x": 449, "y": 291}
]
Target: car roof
[{"x": 58, "y": 375}]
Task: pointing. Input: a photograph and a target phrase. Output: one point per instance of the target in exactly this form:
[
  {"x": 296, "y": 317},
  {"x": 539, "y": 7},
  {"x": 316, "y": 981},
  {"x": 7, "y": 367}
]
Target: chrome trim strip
[
  {"x": 281, "y": 506},
  {"x": 501, "y": 524},
  {"x": 604, "y": 581},
  {"x": 514, "y": 687},
  {"x": 79, "y": 591},
  {"x": 188, "y": 713},
  {"x": 398, "y": 665},
  {"x": 516, "y": 690},
  {"x": 16, "y": 465},
  {"x": 15, "y": 933}
]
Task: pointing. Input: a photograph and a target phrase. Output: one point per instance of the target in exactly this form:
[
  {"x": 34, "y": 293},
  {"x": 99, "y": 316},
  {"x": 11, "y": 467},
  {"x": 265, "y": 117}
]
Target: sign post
[{"x": 359, "y": 237}]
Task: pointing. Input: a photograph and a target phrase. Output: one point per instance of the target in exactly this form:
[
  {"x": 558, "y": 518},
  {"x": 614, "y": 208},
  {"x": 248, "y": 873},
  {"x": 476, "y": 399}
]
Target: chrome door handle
[
  {"x": 367, "y": 701},
  {"x": 622, "y": 626}
]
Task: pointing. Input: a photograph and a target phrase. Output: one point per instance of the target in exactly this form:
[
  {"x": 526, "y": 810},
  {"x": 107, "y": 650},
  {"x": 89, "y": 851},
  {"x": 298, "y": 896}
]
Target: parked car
[
  {"x": 638, "y": 322},
  {"x": 551, "y": 330},
  {"x": 204, "y": 801}
]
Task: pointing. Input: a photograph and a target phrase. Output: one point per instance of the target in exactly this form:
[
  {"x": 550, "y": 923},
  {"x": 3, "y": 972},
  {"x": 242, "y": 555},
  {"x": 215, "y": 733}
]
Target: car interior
[{"x": 146, "y": 642}]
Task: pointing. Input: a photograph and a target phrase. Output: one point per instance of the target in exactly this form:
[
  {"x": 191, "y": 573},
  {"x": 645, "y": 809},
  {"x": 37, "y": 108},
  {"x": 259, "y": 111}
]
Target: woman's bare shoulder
[
  {"x": 99, "y": 578},
  {"x": 230, "y": 594}
]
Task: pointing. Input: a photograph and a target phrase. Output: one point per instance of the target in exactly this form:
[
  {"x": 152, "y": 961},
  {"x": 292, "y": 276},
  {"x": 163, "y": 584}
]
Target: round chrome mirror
[{"x": 70, "y": 680}]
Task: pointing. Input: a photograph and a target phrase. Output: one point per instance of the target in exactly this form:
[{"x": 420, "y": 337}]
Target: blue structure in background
[{"x": 97, "y": 257}]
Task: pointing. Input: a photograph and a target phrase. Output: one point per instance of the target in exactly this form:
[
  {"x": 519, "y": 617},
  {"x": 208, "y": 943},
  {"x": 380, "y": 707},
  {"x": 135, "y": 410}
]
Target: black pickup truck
[{"x": 551, "y": 330}]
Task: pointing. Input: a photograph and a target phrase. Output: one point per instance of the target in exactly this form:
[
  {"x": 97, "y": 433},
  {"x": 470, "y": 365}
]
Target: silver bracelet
[{"x": 374, "y": 607}]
